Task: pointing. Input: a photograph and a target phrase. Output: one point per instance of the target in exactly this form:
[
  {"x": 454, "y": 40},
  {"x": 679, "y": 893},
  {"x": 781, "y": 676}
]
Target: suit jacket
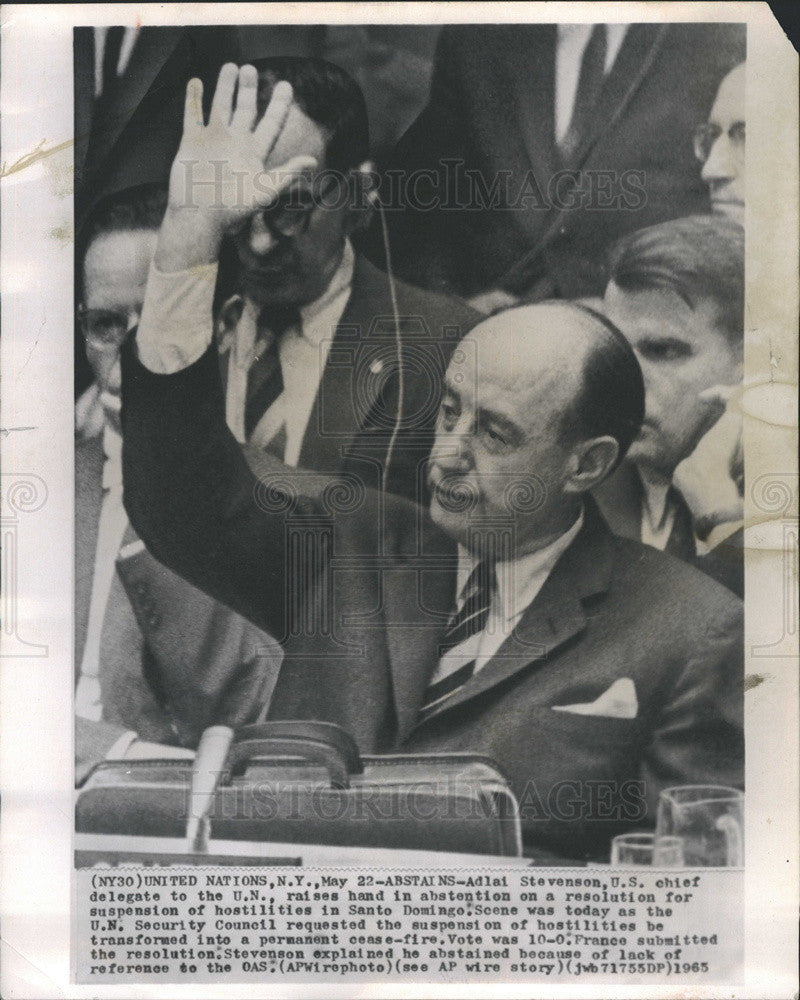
[
  {"x": 491, "y": 109},
  {"x": 353, "y": 418},
  {"x": 192, "y": 662},
  {"x": 131, "y": 135},
  {"x": 360, "y": 595},
  {"x": 620, "y": 501}
]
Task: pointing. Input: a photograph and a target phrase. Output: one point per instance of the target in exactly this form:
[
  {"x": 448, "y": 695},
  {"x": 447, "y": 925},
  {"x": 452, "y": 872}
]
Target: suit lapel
[
  {"x": 417, "y": 607},
  {"x": 345, "y": 397},
  {"x": 88, "y": 501},
  {"x": 152, "y": 49},
  {"x": 532, "y": 91},
  {"x": 634, "y": 59},
  {"x": 554, "y": 617},
  {"x": 83, "y": 49}
]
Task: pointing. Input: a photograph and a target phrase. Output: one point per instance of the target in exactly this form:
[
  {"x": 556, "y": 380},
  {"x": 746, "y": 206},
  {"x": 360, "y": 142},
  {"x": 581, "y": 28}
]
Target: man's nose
[
  {"x": 261, "y": 238},
  {"x": 719, "y": 165},
  {"x": 452, "y": 451}
]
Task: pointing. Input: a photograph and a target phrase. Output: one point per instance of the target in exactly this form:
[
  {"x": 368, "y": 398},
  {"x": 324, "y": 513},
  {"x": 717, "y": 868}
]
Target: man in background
[
  {"x": 128, "y": 86},
  {"x": 719, "y": 146},
  {"x": 548, "y": 143},
  {"x": 310, "y": 338},
  {"x": 677, "y": 293},
  {"x": 155, "y": 659},
  {"x": 510, "y": 622}
]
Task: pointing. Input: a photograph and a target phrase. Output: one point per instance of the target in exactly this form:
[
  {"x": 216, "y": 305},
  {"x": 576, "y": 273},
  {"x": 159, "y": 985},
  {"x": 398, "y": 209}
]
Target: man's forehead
[
  {"x": 532, "y": 337},
  {"x": 521, "y": 353},
  {"x": 300, "y": 136},
  {"x": 653, "y": 312},
  {"x": 730, "y": 100}
]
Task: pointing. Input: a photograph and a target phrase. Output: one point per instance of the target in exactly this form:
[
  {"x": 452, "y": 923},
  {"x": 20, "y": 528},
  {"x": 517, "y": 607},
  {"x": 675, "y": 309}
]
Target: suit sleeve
[
  {"x": 698, "y": 736},
  {"x": 248, "y": 539},
  {"x": 191, "y": 496}
]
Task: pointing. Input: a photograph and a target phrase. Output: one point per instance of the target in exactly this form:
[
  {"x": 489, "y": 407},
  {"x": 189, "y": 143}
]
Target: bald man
[{"x": 509, "y": 622}]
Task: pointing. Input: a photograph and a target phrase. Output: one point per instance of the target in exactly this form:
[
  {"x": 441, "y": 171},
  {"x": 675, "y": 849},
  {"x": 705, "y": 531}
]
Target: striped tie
[{"x": 469, "y": 620}]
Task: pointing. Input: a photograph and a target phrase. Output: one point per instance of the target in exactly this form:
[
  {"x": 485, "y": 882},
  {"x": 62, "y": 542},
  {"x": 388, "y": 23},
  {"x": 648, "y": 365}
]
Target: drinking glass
[
  {"x": 629, "y": 849},
  {"x": 709, "y": 819}
]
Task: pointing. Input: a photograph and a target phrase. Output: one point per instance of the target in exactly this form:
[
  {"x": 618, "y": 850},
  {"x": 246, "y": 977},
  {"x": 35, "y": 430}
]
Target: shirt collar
[
  {"x": 520, "y": 580},
  {"x": 615, "y": 35},
  {"x": 112, "y": 466},
  {"x": 339, "y": 283},
  {"x": 236, "y": 326},
  {"x": 655, "y": 495}
]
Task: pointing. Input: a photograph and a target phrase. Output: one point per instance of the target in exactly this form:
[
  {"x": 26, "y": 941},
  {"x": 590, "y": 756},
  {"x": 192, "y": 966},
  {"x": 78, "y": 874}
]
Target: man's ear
[
  {"x": 363, "y": 187},
  {"x": 590, "y": 463}
]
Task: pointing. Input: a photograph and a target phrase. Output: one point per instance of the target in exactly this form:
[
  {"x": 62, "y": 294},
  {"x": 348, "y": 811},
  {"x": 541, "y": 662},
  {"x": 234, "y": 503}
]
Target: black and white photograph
[{"x": 433, "y": 461}]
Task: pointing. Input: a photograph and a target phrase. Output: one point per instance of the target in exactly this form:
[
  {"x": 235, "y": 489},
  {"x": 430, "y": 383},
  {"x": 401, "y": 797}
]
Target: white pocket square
[{"x": 618, "y": 702}]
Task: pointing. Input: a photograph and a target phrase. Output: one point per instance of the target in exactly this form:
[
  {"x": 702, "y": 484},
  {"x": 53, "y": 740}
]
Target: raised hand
[
  {"x": 218, "y": 177},
  {"x": 710, "y": 479}
]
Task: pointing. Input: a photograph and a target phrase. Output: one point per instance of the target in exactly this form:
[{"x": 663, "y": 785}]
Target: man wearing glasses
[
  {"x": 155, "y": 659},
  {"x": 719, "y": 146},
  {"x": 310, "y": 339}
]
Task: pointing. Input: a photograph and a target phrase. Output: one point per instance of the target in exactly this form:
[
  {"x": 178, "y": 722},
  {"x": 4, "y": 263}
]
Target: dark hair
[
  {"x": 698, "y": 257},
  {"x": 134, "y": 208},
  {"x": 139, "y": 207},
  {"x": 329, "y": 97},
  {"x": 611, "y": 398}
]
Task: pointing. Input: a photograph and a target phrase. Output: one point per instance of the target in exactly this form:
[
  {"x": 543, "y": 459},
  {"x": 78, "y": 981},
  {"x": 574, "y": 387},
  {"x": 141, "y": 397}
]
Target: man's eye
[
  {"x": 448, "y": 414},
  {"x": 664, "y": 350},
  {"x": 736, "y": 133},
  {"x": 494, "y": 437}
]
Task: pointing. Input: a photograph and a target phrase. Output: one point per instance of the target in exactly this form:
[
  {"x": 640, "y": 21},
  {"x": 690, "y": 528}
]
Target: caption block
[{"x": 327, "y": 925}]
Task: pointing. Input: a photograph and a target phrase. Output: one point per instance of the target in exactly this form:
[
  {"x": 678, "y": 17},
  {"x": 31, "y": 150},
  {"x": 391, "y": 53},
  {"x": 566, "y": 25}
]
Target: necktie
[
  {"x": 590, "y": 83},
  {"x": 265, "y": 379},
  {"x": 681, "y": 542},
  {"x": 469, "y": 620}
]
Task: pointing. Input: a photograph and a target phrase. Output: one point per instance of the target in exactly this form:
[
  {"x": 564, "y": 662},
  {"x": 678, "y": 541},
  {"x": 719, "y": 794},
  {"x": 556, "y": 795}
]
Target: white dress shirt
[
  {"x": 658, "y": 513},
  {"x": 518, "y": 584},
  {"x": 110, "y": 532},
  {"x": 125, "y": 52},
  {"x": 176, "y": 329},
  {"x": 570, "y": 46}
]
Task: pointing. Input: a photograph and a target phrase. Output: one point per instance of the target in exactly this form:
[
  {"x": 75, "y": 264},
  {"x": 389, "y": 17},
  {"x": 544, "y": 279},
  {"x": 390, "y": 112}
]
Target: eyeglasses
[
  {"x": 104, "y": 328},
  {"x": 291, "y": 214},
  {"x": 706, "y": 135}
]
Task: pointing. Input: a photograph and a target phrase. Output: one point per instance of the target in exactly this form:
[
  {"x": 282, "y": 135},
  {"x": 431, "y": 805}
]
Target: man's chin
[
  {"x": 731, "y": 209},
  {"x": 450, "y": 522}
]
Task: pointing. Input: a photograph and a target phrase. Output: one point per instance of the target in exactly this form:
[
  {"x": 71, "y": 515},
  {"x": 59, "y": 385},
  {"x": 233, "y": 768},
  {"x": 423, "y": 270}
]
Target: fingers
[
  {"x": 193, "y": 108},
  {"x": 269, "y": 128},
  {"x": 273, "y": 183},
  {"x": 245, "y": 114},
  {"x": 719, "y": 394},
  {"x": 222, "y": 104}
]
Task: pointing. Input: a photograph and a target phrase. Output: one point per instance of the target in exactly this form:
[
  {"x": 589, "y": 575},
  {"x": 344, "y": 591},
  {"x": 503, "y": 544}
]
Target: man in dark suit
[
  {"x": 311, "y": 338},
  {"x": 510, "y": 621},
  {"x": 156, "y": 660},
  {"x": 677, "y": 293},
  {"x": 129, "y": 84},
  {"x": 543, "y": 144}
]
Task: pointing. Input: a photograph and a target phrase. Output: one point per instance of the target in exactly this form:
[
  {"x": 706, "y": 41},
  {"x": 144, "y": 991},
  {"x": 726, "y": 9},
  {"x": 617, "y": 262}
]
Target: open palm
[{"x": 219, "y": 170}]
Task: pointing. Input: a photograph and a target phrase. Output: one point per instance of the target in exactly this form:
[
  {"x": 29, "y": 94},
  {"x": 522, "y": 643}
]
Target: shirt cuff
[
  {"x": 177, "y": 325},
  {"x": 120, "y": 747}
]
